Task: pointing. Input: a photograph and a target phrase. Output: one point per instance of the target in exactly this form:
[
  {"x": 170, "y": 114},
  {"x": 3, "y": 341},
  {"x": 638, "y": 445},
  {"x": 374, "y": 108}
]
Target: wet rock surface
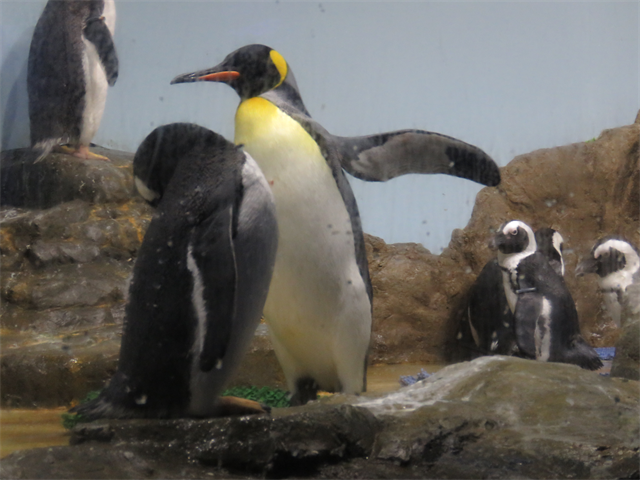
[{"x": 494, "y": 417}]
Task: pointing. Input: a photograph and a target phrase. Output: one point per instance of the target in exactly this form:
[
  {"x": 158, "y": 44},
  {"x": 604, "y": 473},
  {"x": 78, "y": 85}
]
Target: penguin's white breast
[{"x": 316, "y": 277}]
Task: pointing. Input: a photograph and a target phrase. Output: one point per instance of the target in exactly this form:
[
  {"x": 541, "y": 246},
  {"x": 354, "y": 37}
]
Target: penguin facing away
[
  {"x": 200, "y": 279},
  {"x": 490, "y": 319},
  {"x": 545, "y": 316},
  {"x": 617, "y": 264},
  {"x": 319, "y": 304},
  {"x": 72, "y": 63}
]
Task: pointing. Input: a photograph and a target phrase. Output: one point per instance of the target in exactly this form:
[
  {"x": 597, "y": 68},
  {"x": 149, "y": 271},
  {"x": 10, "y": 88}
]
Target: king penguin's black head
[
  {"x": 608, "y": 256},
  {"x": 251, "y": 71},
  {"x": 514, "y": 237}
]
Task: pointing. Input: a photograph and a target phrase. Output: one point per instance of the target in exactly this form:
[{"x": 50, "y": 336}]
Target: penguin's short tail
[{"x": 44, "y": 147}]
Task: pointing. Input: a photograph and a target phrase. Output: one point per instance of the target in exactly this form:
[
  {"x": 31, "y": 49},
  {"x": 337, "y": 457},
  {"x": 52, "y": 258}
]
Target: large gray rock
[{"x": 494, "y": 417}]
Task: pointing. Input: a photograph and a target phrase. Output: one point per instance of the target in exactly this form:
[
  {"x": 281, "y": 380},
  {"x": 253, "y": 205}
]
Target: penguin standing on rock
[
  {"x": 617, "y": 264},
  {"x": 319, "y": 304},
  {"x": 545, "y": 316},
  {"x": 200, "y": 280},
  {"x": 72, "y": 63},
  {"x": 489, "y": 316}
]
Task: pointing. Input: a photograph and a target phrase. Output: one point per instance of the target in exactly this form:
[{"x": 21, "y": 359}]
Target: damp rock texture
[
  {"x": 70, "y": 231},
  {"x": 494, "y": 417},
  {"x": 584, "y": 190},
  {"x": 626, "y": 363}
]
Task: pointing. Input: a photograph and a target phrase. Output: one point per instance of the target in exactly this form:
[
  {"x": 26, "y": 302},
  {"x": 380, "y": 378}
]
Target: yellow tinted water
[{"x": 22, "y": 428}]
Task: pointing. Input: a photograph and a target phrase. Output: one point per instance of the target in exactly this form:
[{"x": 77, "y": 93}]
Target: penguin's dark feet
[
  {"x": 228, "y": 406},
  {"x": 306, "y": 391}
]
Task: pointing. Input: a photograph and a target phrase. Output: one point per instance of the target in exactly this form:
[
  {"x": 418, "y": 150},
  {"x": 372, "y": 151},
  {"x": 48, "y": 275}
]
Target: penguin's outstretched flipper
[
  {"x": 98, "y": 33},
  {"x": 392, "y": 154}
]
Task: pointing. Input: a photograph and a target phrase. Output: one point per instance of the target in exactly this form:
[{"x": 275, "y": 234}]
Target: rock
[
  {"x": 494, "y": 417},
  {"x": 68, "y": 264},
  {"x": 60, "y": 178},
  {"x": 415, "y": 294},
  {"x": 626, "y": 363}
]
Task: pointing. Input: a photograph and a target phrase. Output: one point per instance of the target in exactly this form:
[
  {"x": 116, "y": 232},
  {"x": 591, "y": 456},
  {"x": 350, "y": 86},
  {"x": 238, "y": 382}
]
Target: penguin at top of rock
[
  {"x": 200, "y": 279},
  {"x": 545, "y": 315},
  {"x": 72, "y": 63},
  {"x": 319, "y": 304},
  {"x": 490, "y": 319},
  {"x": 617, "y": 264}
]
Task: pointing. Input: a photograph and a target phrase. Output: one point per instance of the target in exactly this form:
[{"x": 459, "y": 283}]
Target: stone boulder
[{"x": 494, "y": 417}]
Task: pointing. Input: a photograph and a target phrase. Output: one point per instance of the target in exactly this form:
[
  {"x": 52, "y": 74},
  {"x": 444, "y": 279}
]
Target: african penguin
[
  {"x": 72, "y": 63},
  {"x": 617, "y": 264},
  {"x": 319, "y": 304},
  {"x": 489, "y": 317},
  {"x": 545, "y": 316},
  {"x": 200, "y": 279}
]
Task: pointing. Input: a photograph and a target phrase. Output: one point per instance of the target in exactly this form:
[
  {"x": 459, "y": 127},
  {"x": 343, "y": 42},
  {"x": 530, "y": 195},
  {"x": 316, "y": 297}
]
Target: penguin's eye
[{"x": 513, "y": 231}]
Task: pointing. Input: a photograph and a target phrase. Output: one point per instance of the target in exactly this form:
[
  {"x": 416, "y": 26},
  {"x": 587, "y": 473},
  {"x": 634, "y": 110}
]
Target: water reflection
[{"x": 22, "y": 428}]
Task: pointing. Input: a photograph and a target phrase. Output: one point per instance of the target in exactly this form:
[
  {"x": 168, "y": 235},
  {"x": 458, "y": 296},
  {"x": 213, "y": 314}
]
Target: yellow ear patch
[{"x": 281, "y": 64}]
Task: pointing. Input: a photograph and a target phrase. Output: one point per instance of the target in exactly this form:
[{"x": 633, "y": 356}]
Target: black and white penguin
[
  {"x": 490, "y": 320},
  {"x": 72, "y": 63},
  {"x": 319, "y": 304},
  {"x": 617, "y": 264},
  {"x": 545, "y": 316},
  {"x": 200, "y": 279}
]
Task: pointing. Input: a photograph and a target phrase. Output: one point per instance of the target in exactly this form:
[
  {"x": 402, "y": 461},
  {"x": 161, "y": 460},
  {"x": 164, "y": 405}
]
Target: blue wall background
[{"x": 509, "y": 77}]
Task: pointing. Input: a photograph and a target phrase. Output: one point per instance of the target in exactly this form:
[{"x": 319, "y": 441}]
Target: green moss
[
  {"x": 272, "y": 397},
  {"x": 70, "y": 420}
]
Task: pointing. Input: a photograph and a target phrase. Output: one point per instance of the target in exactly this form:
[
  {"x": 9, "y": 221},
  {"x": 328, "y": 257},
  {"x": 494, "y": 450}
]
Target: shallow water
[{"x": 22, "y": 428}]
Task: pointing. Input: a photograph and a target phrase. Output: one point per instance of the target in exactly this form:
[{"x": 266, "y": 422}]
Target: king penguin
[
  {"x": 545, "y": 315},
  {"x": 320, "y": 300},
  {"x": 490, "y": 319},
  {"x": 72, "y": 62},
  {"x": 617, "y": 264},
  {"x": 200, "y": 279}
]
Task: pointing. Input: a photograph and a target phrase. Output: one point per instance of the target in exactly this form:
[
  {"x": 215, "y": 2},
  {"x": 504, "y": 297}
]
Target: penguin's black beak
[
  {"x": 496, "y": 241},
  {"x": 588, "y": 265},
  {"x": 210, "y": 75}
]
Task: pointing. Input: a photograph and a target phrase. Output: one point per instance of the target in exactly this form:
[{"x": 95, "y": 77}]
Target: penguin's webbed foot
[
  {"x": 227, "y": 406},
  {"x": 82, "y": 152}
]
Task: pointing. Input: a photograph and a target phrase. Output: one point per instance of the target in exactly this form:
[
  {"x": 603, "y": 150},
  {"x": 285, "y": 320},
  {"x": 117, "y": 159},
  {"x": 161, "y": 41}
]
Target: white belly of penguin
[
  {"x": 95, "y": 97},
  {"x": 317, "y": 308}
]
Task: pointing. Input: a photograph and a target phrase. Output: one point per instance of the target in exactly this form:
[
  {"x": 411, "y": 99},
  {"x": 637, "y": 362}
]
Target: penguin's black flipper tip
[
  {"x": 378, "y": 158},
  {"x": 473, "y": 164}
]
